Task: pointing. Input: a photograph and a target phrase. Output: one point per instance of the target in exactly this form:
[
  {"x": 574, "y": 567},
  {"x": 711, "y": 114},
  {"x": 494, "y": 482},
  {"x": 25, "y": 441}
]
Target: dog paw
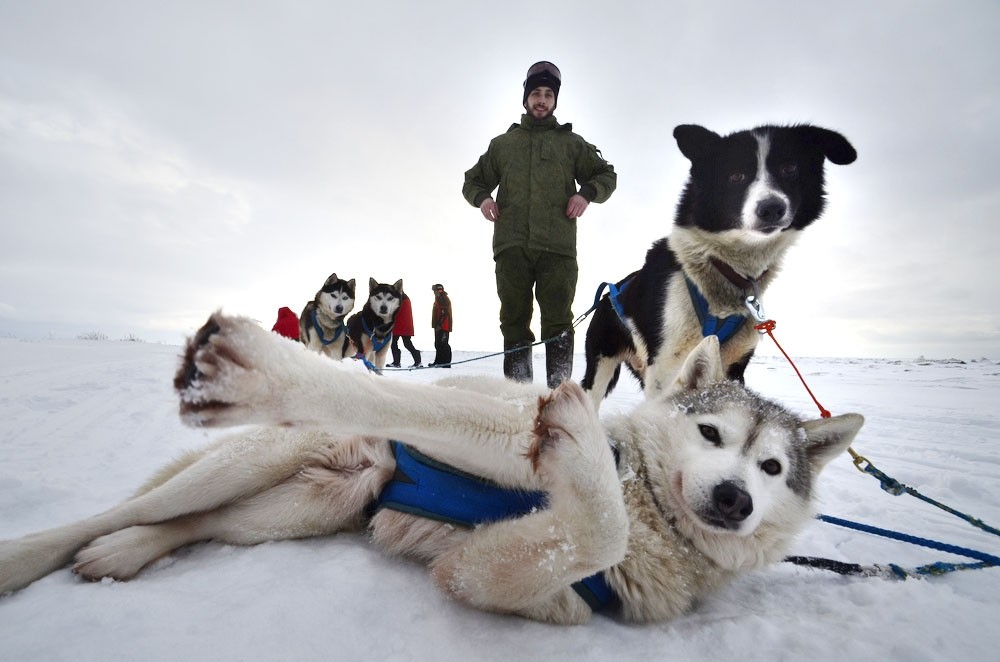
[
  {"x": 218, "y": 379},
  {"x": 569, "y": 439},
  {"x": 120, "y": 555}
]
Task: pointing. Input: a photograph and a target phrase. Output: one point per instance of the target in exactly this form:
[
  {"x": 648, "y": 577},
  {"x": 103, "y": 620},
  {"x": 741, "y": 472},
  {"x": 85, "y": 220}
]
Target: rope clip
[{"x": 755, "y": 307}]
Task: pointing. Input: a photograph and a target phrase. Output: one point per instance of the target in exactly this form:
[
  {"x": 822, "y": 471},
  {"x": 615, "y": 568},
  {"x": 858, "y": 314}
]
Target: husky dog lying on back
[
  {"x": 321, "y": 325},
  {"x": 710, "y": 480}
]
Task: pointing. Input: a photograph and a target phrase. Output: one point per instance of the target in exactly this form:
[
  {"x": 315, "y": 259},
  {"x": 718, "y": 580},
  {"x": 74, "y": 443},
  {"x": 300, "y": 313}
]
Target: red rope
[{"x": 768, "y": 327}]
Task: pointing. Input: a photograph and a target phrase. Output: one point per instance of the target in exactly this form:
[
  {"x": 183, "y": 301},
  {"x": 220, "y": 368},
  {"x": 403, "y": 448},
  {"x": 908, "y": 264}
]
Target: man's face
[{"x": 541, "y": 102}]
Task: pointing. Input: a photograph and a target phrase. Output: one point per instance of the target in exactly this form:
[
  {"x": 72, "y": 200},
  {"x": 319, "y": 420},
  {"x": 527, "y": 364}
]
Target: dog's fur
[
  {"x": 748, "y": 197},
  {"x": 373, "y": 325},
  {"x": 712, "y": 480},
  {"x": 321, "y": 325}
]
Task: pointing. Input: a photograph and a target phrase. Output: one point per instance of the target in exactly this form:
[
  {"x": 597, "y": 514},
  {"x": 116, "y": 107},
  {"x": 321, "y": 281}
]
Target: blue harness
[
  {"x": 710, "y": 324},
  {"x": 319, "y": 330},
  {"x": 427, "y": 488},
  {"x": 376, "y": 343},
  {"x": 613, "y": 293}
]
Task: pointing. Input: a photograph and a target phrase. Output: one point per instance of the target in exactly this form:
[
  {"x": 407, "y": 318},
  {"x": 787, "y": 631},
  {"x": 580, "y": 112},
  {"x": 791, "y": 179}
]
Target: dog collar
[{"x": 744, "y": 283}]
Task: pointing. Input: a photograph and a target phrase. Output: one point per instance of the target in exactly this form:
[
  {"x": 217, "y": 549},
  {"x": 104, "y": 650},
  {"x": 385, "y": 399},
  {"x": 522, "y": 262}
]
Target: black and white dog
[
  {"x": 371, "y": 329},
  {"x": 321, "y": 325},
  {"x": 748, "y": 196}
]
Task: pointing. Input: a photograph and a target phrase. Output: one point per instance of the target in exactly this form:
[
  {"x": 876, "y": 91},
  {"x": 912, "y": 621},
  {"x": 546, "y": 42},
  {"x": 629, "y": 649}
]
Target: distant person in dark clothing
[
  {"x": 442, "y": 322},
  {"x": 403, "y": 328}
]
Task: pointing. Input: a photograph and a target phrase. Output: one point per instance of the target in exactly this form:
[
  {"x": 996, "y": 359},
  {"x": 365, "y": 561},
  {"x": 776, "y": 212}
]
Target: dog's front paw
[
  {"x": 573, "y": 457},
  {"x": 569, "y": 440},
  {"x": 218, "y": 381}
]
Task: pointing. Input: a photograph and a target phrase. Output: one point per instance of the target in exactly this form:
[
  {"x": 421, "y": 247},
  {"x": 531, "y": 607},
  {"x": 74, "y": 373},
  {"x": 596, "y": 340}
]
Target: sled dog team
[
  {"x": 643, "y": 512},
  {"x": 325, "y": 327}
]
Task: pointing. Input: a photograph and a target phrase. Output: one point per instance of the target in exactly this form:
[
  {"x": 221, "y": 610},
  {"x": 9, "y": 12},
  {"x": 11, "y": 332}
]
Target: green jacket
[{"x": 537, "y": 165}]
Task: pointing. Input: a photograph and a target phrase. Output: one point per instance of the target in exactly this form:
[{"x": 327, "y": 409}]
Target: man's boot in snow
[
  {"x": 517, "y": 365},
  {"x": 559, "y": 360}
]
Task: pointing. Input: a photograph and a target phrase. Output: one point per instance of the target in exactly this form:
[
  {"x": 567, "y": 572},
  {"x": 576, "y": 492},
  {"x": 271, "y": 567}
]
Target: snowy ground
[{"x": 83, "y": 423}]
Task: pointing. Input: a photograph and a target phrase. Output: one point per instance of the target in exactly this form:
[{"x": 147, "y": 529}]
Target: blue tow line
[{"x": 894, "y": 487}]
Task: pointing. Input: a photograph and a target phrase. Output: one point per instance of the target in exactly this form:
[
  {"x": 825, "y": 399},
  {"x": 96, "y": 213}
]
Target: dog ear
[
  {"x": 399, "y": 285},
  {"x": 826, "y": 438},
  {"x": 372, "y": 284},
  {"x": 702, "y": 367},
  {"x": 696, "y": 142},
  {"x": 350, "y": 284},
  {"x": 834, "y": 146},
  {"x": 331, "y": 280}
]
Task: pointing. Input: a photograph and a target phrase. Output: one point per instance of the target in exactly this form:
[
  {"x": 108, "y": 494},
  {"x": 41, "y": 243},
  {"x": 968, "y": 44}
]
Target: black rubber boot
[
  {"x": 517, "y": 365},
  {"x": 559, "y": 360}
]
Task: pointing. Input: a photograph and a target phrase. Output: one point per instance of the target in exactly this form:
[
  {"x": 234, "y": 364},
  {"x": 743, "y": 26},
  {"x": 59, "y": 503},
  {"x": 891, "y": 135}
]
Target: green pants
[{"x": 553, "y": 279}]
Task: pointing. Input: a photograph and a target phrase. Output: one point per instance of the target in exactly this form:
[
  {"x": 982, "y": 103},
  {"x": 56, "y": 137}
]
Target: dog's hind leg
[
  {"x": 330, "y": 493},
  {"x": 528, "y": 565},
  {"x": 600, "y": 379},
  {"x": 607, "y": 344},
  {"x": 237, "y": 466}
]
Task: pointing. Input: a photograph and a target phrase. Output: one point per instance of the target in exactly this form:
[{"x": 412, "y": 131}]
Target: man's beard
[{"x": 548, "y": 113}]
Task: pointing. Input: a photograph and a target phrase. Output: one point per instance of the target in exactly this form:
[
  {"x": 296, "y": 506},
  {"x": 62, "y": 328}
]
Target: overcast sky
[{"x": 162, "y": 160}]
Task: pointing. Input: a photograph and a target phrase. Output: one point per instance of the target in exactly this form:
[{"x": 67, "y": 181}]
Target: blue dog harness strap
[
  {"x": 376, "y": 343},
  {"x": 595, "y": 591},
  {"x": 710, "y": 324},
  {"x": 613, "y": 293},
  {"x": 427, "y": 488},
  {"x": 319, "y": 330}
]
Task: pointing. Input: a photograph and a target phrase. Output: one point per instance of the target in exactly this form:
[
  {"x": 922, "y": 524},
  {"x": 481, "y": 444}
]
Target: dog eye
[
  {"x": 737, "y": 177},
  {"x": 710, "y": 433},
  {"x": 789, "y": 170},
  {"x": 771, "y": 467}
]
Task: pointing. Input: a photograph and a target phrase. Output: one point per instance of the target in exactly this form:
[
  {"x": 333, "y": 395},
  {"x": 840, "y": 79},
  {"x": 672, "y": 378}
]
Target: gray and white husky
[
  {"x": 706, "y": 482},
  {"x": 321, "y": 325}
]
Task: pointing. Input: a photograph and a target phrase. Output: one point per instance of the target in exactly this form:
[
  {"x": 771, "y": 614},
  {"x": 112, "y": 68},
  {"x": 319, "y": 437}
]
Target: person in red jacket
[
  {"x": 287, "y": 324},
  {"x": 442, "y": 322},
  {"x": 403, "y": 328}
]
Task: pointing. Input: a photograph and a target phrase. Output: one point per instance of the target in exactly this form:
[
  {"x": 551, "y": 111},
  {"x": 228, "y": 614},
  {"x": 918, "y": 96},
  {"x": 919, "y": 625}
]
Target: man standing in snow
[
  {"x": 442, "y": 322},
  {"x": 536, "y": 165}
]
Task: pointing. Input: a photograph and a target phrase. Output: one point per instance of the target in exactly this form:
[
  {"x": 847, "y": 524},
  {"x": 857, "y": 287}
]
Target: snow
[{"x": 83, "y": 423}]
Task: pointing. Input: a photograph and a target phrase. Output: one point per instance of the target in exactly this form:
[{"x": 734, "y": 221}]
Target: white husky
[{"x": 710, "y": 480}]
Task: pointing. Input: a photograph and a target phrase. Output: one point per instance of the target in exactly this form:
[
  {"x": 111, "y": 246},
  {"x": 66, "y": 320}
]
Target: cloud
[{"x": 159, "y": 162}]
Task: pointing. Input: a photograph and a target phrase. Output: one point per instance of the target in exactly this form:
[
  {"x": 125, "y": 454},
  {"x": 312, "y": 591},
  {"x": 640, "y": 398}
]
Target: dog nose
[
  {"x": 732, "y": 502},
  {"x": 771, "y": 214}
]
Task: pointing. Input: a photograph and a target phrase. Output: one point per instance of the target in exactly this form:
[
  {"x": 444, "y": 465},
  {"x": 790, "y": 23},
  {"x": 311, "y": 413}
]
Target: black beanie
[{"x": 542, "y": 74}]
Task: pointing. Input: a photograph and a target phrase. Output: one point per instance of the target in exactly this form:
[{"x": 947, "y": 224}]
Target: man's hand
[
  {"x": 576, "y": 206},
  {"x": 490, "y": 210}
]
